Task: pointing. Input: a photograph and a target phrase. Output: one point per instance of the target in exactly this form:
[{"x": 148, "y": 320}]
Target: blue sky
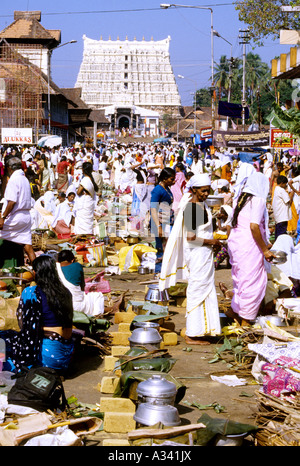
[{"x": 189, "y": 29}]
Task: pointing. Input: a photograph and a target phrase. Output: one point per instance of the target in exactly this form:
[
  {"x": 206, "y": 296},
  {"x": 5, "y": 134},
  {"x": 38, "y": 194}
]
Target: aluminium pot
[
  {"x": 154, "y": 295},
  {"x": 157, "y": 390},
  {"x": 148, "y": 337},
  {"x": 143, "y": 270},
  {"x": 214, "y": 201},
  {"x": 280, "y": 257},
  {"x": 149, "y": 414}
]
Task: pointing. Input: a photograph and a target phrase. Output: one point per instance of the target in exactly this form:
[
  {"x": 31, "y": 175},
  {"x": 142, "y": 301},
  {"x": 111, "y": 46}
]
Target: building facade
[{"x": 128, "y": 73}]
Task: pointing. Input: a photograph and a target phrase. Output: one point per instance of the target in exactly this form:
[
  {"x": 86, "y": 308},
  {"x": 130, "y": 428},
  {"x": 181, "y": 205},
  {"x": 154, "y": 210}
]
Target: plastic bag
[{"x": 130, "y": 257}]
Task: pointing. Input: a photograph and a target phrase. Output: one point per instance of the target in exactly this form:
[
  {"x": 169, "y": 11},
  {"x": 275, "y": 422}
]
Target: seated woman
[
  {"x": 71, "y": 274},
  {"x": 64, "y": 218},
  {"x": 45, "y": 316},
  {"x": 45, "y": 205}
]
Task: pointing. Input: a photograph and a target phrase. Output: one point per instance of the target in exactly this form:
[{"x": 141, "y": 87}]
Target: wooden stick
[{"x": 164, "y": 433}]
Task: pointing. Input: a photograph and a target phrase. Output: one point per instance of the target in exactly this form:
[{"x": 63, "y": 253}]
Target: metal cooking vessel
[
  {"x": 132, "y": 240},
  {"x": 155, "y": 295},
  {"x": 147, "y": 336},
  {"x": 146, "y": 324},
  {"x": 157, "y": 390},
  {"x": 150, "y": 414},
  {"x": 143, "y": 270},
  {"x": 213, "y": 201},
  {"x": 281, "y": 257}
]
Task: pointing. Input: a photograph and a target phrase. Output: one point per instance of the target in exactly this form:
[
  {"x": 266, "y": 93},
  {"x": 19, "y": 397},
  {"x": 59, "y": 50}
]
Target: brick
[
  {"x": 115, "y": 442},
  {"x": 124, "y": 317},
  {"x": 118, "y": 422},
  {"x": 109, "y": 384},
  {"x": 170, "y": 339},
  {"x": 124, "y": 327},
  {"x": 116, "y": 405},
  {"x": 120, "y": 338},
  {"x": 181, "y": 301},
  {"x": 119, "y": 350},
  {"x": 109, "y": 363}
]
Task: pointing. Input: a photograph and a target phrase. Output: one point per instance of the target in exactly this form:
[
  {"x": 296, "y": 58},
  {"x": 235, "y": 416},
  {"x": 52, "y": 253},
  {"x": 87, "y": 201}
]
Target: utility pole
[{"x": 244, "y": 36}]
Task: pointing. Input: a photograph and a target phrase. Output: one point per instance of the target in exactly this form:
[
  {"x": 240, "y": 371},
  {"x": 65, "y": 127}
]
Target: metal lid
[
  {"x": 156, "y": 386},
  {"x": 145, "y": 335}
]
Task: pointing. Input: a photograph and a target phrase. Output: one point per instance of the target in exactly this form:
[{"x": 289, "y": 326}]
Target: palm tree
[
  {"x": 221, "y": 72},
  {"x": 257, "y": 75}
]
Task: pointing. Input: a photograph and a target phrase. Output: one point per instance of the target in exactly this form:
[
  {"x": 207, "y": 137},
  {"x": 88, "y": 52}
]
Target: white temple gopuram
[{"x": 128, "y": 73}]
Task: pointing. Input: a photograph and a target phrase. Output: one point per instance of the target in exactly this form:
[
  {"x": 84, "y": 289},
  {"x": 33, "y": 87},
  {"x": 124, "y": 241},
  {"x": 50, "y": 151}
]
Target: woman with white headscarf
[
  {"x": 244, "y": 171},
  {"x": 85, "y": 202},
  {"x": 46, "y": 207},
  {"x": 249, "y": 247},
  {"x": 189, "y": 254}
]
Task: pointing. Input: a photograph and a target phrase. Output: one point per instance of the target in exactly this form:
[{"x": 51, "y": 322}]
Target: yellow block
[
  {"x": 120, "y": 338},
  {"x": 124, "y": 317},
  {"x": 124, "y": 327},
  {"x": 116, "y": 405},
  {"x": 118, "y": 422},
  {"x": 170, "y": 339},
  {"x": 109, "y": 384},
  {"x": 115, "y": 442},
  {"x": 109, "y": 363},
  {"x": 119, "y": 350}
]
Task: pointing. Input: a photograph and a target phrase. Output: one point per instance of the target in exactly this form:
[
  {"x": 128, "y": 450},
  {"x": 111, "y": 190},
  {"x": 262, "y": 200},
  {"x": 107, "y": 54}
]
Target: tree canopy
[{"x": 264, "y": 18}]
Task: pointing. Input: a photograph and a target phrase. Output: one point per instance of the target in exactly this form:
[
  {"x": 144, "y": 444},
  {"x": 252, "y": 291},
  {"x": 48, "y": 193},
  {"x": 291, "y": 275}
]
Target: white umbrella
[{"x": 50, "y": 141}]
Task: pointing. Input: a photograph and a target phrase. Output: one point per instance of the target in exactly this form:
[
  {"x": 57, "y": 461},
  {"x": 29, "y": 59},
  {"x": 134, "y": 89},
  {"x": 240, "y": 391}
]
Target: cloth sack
[{"x": 97, "y": 256}]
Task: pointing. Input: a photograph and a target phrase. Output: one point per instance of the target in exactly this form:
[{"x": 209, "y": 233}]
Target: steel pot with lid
[
  {"x": 148, "y": 337},
  {"x": 154, "y": 295},
  {"x": 150, "y": 414},
  {"x": 157, "y": 390}
]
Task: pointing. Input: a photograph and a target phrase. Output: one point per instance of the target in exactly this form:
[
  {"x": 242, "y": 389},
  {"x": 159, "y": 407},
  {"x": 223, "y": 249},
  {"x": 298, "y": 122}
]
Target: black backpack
[{"x": 39, "y": 388}]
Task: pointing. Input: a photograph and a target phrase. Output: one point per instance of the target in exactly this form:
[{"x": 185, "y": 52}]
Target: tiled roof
[{"x": 28, "y": 27}]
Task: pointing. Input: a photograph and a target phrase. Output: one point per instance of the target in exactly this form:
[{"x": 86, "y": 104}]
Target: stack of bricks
[{"x": 119, "y": 412}]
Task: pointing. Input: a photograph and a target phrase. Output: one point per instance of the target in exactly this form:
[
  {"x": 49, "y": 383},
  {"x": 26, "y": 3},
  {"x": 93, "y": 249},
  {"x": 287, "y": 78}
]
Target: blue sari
[{"x": 31, "y": 347}]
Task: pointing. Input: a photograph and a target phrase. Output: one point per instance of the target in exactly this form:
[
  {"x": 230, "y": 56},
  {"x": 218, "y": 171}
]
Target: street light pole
[
  {"x": 49, "y": 53},
  {"x": 230, "y": 69},
  {"x": 195, "y": 100},
  {"x": 170, "y": 5}
]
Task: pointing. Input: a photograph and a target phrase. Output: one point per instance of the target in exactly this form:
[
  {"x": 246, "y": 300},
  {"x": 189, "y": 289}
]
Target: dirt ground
[{"x": 193, "y": 368}]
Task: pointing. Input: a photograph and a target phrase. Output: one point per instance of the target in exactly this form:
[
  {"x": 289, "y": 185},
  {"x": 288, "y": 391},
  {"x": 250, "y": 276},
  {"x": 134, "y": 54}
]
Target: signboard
[
  {"x": 280, "y": 139},
  {"x": 241, "y": 139},
  {"x": 206, "y": 133},
  {"x": 16, "y": 136}
]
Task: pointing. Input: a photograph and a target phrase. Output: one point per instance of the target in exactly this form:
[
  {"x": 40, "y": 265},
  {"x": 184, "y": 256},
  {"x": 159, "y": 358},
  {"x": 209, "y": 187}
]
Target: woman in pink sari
[
  {"x": 178, "y": 187},
  {"x": 248, "y": 248}
]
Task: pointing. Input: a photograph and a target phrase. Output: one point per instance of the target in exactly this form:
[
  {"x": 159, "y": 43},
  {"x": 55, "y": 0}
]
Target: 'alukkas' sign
[{"x": 16, "y": 135}]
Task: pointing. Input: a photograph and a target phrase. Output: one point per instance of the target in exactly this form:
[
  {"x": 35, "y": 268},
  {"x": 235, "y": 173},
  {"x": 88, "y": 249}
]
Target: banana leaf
[
  {"x": 126, "y": 379},
  {"x": 147, "y": 364},
  {"x": 216, "y": 426},
  {"x": 79, "y": 318}
]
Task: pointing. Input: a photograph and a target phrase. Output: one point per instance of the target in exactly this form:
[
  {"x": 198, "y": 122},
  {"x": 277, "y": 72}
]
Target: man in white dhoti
[
  {"x": 189, "y": 255},
  {"x": 15, "y": 221}
]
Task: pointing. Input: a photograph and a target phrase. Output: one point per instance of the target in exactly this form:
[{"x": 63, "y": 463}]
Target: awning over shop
[{"x": 287, "y": 66}]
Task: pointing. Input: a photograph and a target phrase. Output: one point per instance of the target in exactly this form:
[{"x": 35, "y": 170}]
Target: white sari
[
  {"x": 192, "y": 260},
  {"x": 91, "y": 304}
]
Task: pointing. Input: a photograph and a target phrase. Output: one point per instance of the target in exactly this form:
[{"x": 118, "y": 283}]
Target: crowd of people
[{"x": 166, "y": 189}]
